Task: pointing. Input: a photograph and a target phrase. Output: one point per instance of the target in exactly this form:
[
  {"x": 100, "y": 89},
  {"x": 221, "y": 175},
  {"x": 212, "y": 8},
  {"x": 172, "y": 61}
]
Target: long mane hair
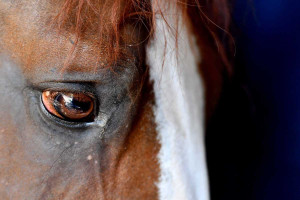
[{"x": 77, "y": 15}]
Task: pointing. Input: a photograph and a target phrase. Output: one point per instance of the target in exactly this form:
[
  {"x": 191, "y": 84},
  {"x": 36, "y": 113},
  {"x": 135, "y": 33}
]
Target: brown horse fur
[
  {"x": 210, "y": 23},
  {"x": 55, "y": 41}
]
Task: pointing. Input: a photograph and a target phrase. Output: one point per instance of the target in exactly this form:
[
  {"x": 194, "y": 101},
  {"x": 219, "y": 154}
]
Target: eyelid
[{"x": 86, "y": 87}]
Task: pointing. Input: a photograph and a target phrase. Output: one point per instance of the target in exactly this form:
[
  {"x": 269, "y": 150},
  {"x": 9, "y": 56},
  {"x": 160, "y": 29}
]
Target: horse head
[{"x": 108, "y": 99}]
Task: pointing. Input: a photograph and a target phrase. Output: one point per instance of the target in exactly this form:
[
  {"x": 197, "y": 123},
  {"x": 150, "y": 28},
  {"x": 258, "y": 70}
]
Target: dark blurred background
[{"x": 253, "y": 141}]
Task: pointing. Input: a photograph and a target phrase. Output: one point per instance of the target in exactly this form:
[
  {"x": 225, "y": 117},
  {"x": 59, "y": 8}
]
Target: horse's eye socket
[{"x": 69, "y": 106}]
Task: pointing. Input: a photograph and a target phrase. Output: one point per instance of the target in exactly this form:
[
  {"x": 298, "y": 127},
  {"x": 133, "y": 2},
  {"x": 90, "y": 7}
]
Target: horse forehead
[{"x": 26, "y": 33}]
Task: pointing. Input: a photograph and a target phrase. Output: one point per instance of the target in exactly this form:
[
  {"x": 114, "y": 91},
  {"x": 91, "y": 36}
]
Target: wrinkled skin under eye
[{"x": 69, "y": 106}]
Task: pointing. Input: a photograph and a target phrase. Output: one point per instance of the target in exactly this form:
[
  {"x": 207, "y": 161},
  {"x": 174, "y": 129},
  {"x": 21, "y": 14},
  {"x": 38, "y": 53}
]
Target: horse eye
[{"x": 69, "y": 106}]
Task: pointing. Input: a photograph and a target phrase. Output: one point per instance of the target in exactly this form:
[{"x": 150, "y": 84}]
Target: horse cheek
[{"x": 15, "y": 168}]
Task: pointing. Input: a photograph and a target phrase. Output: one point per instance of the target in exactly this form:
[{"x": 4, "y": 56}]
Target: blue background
[
  {"x": 255, "y": 152},
  {"x": 271, "y": 52}
]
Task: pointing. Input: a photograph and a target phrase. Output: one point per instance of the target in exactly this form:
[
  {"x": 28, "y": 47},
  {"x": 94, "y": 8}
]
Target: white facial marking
[{"x": 179, "y": 111}]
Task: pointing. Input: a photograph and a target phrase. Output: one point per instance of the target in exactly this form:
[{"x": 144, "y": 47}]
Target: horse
[{"x": 109, "y": 99}]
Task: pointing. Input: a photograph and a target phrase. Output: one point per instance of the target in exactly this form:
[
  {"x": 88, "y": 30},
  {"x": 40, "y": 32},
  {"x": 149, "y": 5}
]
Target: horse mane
[{"x": 77, "y": 15}]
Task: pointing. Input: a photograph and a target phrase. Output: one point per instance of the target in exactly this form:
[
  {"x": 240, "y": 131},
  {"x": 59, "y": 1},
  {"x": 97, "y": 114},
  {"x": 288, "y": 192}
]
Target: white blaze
[{"x": 179, "y": 111}]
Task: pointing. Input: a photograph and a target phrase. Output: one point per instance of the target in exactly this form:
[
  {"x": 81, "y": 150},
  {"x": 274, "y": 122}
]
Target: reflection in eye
[{"x": 69, "y": 106}]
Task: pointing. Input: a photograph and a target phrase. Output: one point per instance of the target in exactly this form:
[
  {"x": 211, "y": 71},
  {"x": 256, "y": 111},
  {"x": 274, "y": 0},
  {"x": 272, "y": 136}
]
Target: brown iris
[{"x": 69, "y": 105}]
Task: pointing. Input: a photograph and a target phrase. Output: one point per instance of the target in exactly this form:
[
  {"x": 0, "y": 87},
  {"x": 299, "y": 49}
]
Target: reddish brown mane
[{"x": 77, "y": 15}]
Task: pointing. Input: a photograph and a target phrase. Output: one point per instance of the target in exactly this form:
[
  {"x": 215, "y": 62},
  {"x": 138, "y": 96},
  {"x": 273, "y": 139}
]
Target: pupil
[
  {"x": 78, "y": 105},
  {"x": 71, "y": 103}
]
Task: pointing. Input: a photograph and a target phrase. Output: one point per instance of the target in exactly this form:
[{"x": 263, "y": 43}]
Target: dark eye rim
[
  {"x": 48, "y": 117},
  {"x": 85, "y": 88},
  {"x": 89, "y": 118}
]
